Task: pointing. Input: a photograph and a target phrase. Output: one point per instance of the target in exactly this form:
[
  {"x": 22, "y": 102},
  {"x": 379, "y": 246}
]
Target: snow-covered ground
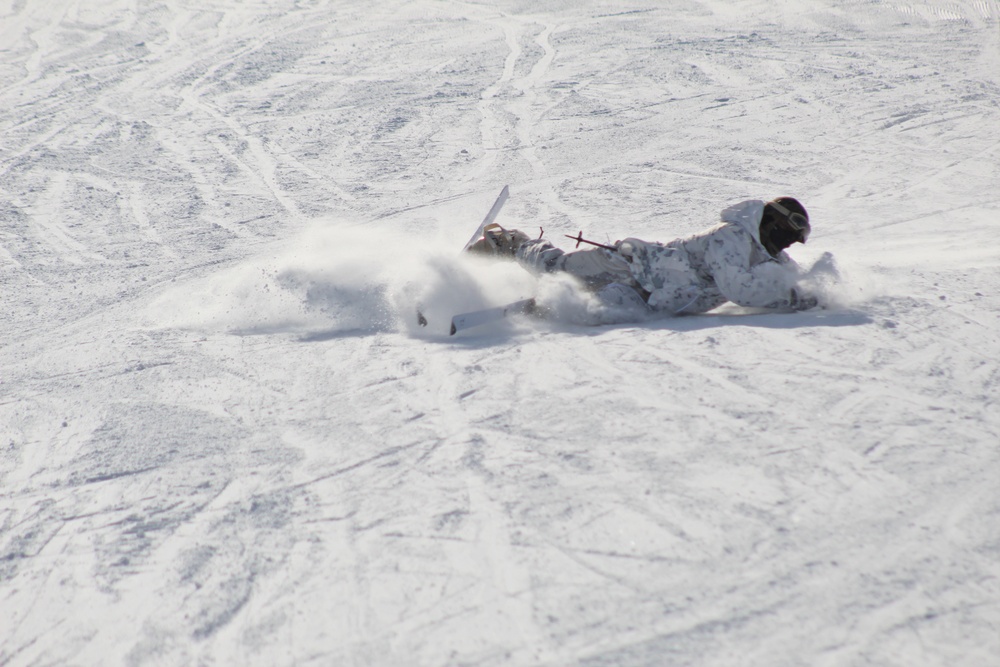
[{"x": 223, "y": 440}]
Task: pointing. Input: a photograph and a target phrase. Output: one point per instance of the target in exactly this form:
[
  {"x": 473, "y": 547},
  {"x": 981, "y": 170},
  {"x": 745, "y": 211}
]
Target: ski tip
[{"x": 453, "y": 329}]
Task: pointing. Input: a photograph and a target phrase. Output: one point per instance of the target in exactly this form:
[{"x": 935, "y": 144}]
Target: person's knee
[{"x": 540, "y": 256}]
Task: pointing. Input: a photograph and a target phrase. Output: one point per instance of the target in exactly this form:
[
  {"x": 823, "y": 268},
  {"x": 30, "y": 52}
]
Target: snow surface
[{"x": 225, "y": 441}]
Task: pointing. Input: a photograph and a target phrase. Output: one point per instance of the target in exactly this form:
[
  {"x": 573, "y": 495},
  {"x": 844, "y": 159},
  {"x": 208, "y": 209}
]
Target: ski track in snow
[{"x": 225, "y": 441}]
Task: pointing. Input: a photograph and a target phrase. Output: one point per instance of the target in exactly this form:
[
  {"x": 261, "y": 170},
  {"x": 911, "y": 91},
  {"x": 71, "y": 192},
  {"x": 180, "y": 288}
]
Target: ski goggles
[{"x": 796, "y": 222}]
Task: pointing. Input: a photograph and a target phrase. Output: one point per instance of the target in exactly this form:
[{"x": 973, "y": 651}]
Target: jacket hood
[{"x": 747, "y": 214}]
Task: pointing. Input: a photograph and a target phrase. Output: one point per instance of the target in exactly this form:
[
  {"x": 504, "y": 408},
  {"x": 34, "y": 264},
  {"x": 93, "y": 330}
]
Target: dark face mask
[
  {"x": 781, "y": 228},
  {"x": 781, "y": 237}
]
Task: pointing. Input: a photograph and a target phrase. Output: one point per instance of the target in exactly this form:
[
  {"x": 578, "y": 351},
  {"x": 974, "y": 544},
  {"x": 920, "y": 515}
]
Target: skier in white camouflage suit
[{"x": 742, "y": 259}]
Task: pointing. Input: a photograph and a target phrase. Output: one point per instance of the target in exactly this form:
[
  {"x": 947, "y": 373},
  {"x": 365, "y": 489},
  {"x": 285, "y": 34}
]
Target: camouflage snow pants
[{"x": 604, "y": 271}]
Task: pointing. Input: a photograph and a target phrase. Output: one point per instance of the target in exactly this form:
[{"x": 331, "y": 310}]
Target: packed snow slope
[{"x": 224, "y": 440}]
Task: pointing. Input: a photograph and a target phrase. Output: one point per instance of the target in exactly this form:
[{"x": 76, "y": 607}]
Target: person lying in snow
[{"x": 742, "y": 259}]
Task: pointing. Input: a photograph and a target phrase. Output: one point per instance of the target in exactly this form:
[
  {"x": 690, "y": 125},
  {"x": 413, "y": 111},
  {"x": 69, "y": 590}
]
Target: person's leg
[
  {"x": 603, "y": 271},
  {"x": 596, "y": 268},
  {"x": 622, "y": 297}
]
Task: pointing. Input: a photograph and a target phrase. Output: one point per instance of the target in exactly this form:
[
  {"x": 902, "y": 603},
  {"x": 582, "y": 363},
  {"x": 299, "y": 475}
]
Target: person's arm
[{"x": 766, "y": 285}]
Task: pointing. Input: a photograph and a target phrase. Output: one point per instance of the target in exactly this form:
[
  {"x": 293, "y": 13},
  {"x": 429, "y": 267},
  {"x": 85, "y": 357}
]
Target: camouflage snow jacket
[{"x": 724, "y": 263}]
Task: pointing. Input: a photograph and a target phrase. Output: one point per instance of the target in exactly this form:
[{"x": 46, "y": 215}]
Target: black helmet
[{"x": 783, "y": 223}]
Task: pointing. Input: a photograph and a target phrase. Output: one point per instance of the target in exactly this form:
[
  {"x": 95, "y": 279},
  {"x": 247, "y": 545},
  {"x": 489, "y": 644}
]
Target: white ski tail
[
  {"x": 479, "y": 317},
  {"x": 491, "y": 216}
]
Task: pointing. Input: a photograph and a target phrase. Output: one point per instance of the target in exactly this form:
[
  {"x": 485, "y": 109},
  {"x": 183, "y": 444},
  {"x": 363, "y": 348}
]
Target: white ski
[
  {"x": 479, "y": 317},
  {"x": 490, "y": 217}
]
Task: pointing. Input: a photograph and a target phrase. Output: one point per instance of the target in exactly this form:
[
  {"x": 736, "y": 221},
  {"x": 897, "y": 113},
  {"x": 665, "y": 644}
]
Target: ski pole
[{"x": 579, "y": 239}]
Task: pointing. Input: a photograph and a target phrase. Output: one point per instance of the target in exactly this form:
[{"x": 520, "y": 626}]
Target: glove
[{"x": 801, "y": 301}]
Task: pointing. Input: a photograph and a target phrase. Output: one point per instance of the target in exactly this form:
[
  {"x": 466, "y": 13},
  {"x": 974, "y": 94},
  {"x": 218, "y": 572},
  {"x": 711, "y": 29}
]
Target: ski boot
[{"x": 498, "y": 242}]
